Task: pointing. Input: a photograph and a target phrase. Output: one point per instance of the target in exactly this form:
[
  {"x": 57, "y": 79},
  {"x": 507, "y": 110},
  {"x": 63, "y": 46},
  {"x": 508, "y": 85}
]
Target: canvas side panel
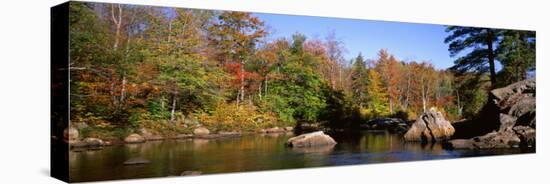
[{"x": 59, "y": 91}]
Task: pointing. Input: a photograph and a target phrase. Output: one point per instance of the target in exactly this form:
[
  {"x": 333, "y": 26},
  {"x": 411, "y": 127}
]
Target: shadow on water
[{"x": 253, "y": 153}]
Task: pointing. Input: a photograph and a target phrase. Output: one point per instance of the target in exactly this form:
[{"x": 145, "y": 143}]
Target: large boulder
[
  {"x": 507, "y": 120},
  {"x": 430, "y": 127},
  {"x": 311, "y": 139},
  {"x": 201, "y": 131},
  {"x": 134, "y": 138}
]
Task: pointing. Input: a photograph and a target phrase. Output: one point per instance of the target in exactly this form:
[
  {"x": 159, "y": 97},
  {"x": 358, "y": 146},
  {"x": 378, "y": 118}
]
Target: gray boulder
[
  {"x": 311, "y": 139},
  {"x": 430, "y": 127}
]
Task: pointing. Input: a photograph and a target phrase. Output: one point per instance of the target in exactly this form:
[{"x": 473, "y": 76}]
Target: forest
[{"x": 170, "y": 70}]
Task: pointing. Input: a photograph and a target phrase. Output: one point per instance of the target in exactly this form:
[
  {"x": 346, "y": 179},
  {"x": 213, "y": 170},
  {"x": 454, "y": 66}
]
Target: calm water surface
[{"x": 252, "y": 153}]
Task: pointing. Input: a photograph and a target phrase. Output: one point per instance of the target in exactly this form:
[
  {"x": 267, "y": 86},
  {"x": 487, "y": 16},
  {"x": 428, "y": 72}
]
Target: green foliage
[
  {"x": 298, "y": 96},
  {"x": 516, "y": 52},
  {"x": 158, "y": 111}
]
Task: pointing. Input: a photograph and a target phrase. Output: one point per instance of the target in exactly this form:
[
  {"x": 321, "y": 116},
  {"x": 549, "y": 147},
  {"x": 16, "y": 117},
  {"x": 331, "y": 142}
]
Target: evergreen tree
[
  {"x": 516, "y": 52},
  {"x": 481, "y": 42},
  {"x": 359, "y": 80}
]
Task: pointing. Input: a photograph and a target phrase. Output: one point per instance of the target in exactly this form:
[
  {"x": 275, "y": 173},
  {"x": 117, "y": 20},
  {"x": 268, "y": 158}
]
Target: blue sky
[{"x": 406, "y": 41}]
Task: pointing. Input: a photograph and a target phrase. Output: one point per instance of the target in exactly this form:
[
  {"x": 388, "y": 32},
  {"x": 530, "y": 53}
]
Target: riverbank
[{"x": 75, "y": 141}]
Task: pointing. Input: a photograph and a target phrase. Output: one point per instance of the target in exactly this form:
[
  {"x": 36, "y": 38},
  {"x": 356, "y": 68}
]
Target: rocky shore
[
  {"x": 75, "y": 141},
  {"x": 508, "y": 120}
]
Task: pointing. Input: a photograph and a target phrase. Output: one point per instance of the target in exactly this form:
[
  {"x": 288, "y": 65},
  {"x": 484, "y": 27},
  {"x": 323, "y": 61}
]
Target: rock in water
[
  {"x": 509, "y": 118},
  {"x": 430, "y": 127},
  {"x": 93, "y": 142},
  {"x": 311, "y": 139},
  {"x": 201, "y": 131},
  {"x": 136, "y": 161},
  {"x": 134, "y": 138},
  {"x": 191, "y": 173},
  {"x": 393, "y": 125},
  {"x": 275, "y": 130}
]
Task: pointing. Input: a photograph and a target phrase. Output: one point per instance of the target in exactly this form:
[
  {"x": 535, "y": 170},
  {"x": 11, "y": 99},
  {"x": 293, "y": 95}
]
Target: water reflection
[{"x": 251, "y": 153}]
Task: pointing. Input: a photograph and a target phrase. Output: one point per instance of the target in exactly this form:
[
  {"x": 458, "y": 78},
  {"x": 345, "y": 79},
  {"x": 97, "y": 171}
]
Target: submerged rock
[
  {"x": 134, "y": 138},
  {"x": 182, "y": 136},
  {"x": 224, "y": 134},
  {"x": 311, "y": 139},
  {"x": 154, "y": 138},
  {"x": 191, "y": 173},
  {"x": 136, "y": 161},
  {"x": 430, "y": 127}
]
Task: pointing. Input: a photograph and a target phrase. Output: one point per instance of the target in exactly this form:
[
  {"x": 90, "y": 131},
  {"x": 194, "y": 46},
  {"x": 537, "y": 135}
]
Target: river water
[{"x": 252, "y": 153}]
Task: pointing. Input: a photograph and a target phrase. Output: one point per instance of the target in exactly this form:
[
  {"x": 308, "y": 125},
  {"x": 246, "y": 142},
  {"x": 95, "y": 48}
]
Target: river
[{"x": 252, "y": 153}]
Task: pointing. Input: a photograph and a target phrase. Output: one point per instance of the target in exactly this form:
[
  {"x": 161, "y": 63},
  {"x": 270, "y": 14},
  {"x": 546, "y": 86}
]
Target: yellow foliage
[{"x": 247, "y": 117}]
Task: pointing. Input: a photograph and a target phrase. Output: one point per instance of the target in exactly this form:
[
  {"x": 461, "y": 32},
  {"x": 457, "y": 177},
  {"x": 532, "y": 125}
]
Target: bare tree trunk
[
  {"x": 408, "y": 91},
  {"x": 172, "y": 114},
  {"x": 118, "y": 23},
  {"x": 423, "y": 98},
  {"x": 242, "y": 82},
  {"x": 169, "y": 31},
  {"x": 265, "y": 85},
  {"x": 458, "y": 105},
  {"x": 260, "y": 91},
  {"x": 391, "y": 105},
  {"x": 491, "y": 57},
  {"x": 122, "y": 92}
]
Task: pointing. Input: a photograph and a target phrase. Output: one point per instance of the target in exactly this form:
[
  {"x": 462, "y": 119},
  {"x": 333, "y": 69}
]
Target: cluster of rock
[
  {"x": 392, "y": 125},
  {"x": 430, "y": 127},
  {"x": 277, "y": 130},
  {"x": 509, "y": 116},
  {"x": 72, "y": 136}
]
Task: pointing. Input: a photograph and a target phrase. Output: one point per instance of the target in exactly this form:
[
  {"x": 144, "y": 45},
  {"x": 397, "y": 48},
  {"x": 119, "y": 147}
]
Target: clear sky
[{"x": 406, "y": 41}]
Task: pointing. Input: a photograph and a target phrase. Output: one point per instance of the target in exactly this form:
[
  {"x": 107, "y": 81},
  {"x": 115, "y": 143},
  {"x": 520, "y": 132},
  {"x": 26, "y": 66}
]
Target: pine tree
[
  {"x": 516, "y": 52},
  {"x": 481, "y": 42},
  {"x": 359, "y": 80}
]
